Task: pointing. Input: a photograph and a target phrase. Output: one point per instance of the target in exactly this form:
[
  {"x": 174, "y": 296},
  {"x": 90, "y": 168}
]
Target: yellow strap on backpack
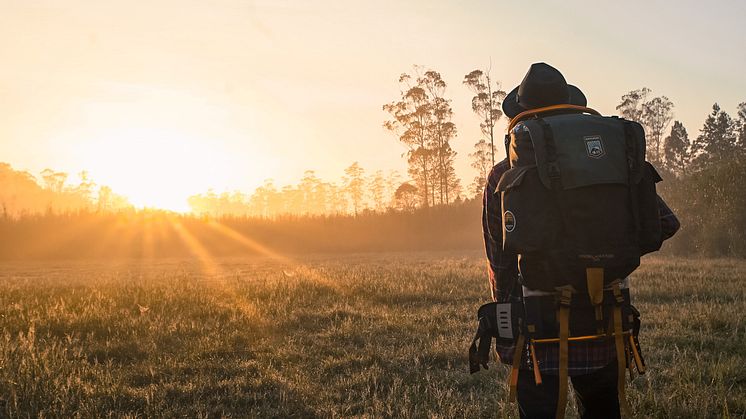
[
  {"x": 564, "y": 334},
  {"x": 638, "y": 358},
  {"x": 620, "y": 350},
  {"x": 537, "y": 372},
  {"x": 513, "y": 381}
]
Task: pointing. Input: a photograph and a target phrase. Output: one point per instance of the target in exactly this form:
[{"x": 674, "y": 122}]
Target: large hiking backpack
[
  {"x": 579, "y": 208},
  {"x": 579, "y": 194}
]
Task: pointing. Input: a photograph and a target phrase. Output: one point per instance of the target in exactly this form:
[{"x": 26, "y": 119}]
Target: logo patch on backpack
[
  {"x": 509, "y": 220},
  {"x": 594, "y": 146}
]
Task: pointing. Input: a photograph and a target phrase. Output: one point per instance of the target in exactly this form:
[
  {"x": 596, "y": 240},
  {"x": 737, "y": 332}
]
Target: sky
[{"x": 162, "y": 99}]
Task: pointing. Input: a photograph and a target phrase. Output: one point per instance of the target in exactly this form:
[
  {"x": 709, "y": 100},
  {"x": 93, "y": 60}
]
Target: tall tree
[
  {"x": 676, "y": 149},
  {"x": 486, "y": 103},
  {"x": 741, "y": 143},
  {"x": 632, "y": 105},
  {"x": 377, "y": 187},
  {"x": 441, "y": 131},
  {"x": 411, "y": 116},
  {"x": 393, "y": 180},
  {"x": 654, "y": 114},
  {"x": 716, "y": 141},
  {"x": 404, "y": 197},
  {"x": 86, "y": 186},
  {"x": 54, "y": 181},
  {"x": 422, "y": 120},
  {"x": 314, "y": 194},
  {"x": 657, "y": 114},
  {"x": 354, "y": 183},
  {"x": 480, "y": 160},
  {"x": 337, "y": 199}
]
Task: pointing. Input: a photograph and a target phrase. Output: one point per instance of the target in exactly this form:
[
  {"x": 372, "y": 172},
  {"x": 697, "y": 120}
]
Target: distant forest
[{"x": 431, "y": 209}]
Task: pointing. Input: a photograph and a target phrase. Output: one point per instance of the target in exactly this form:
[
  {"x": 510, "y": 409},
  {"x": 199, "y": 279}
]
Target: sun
[{"x": 156, "y": 167}]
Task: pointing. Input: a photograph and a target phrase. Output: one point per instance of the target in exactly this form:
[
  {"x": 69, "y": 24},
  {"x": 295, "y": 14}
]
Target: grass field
[{"x": 362, "y": 335}]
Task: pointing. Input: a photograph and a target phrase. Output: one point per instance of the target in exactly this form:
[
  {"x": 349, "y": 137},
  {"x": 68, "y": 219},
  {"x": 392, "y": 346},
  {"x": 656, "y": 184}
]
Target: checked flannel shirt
[{"x": 584, "y": 357}]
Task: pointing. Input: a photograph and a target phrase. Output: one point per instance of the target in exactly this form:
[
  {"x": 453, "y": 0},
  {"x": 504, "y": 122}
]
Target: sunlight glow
[{"x": 157, "y": 168}]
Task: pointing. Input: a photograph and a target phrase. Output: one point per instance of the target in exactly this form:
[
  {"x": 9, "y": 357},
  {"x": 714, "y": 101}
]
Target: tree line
[
  {"x": 701, "y": 173},
  {"x": 356, "y": 193},
  {"x": 22, "y": 193}
]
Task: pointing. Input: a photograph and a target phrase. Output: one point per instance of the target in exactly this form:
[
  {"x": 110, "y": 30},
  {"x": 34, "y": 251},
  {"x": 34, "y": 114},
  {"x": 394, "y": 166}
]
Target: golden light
[{"x": 157, "y": 168}]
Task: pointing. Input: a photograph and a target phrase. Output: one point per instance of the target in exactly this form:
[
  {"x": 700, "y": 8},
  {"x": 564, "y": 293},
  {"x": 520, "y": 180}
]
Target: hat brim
[{"x": 511, "y": 107}]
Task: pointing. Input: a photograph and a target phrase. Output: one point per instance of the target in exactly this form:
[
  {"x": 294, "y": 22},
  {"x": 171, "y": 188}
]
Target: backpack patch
[
  {"x": 509, "y": 221},
  {"x": 594, "y": 146}
]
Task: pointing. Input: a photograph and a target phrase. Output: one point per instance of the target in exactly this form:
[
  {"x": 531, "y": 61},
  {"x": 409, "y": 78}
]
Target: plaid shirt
[{"x": 584, "y": 357}]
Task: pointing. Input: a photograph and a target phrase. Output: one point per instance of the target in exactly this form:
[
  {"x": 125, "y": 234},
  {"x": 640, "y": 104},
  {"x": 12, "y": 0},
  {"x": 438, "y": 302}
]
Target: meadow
[{"x": 360, "y": 335}]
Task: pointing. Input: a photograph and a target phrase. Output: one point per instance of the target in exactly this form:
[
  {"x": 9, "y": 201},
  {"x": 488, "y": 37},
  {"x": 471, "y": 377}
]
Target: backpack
[
  {"x": 579, "y": 194},
  {"x": 579, "y": 208}
]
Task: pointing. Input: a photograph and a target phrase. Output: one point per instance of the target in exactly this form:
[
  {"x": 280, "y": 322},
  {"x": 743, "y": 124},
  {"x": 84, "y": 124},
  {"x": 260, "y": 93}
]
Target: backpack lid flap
[{"x": 589, "y": 150}]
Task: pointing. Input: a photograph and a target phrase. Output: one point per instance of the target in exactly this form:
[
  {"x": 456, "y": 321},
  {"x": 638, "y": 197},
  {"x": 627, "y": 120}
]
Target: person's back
[{"x": 541, "y": 363}]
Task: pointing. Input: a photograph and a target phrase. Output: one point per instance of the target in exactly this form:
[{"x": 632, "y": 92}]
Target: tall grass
[{"x": 360, "y": 335}]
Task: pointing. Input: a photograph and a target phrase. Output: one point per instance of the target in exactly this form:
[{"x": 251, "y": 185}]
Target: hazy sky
[{"x": 164, "y": 98}]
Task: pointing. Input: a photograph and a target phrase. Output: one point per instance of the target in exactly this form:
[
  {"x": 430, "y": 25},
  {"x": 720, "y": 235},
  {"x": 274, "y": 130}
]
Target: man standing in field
[{"x": 591, "y": 365}]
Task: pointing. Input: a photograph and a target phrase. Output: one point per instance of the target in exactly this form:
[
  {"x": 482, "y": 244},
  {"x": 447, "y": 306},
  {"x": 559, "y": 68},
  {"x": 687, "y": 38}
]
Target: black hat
[{"x": 543, "y": 86}]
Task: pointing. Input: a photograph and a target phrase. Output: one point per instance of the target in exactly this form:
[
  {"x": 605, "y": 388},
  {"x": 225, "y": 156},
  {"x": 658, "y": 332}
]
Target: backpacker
[{"x": 579, "y": 208}]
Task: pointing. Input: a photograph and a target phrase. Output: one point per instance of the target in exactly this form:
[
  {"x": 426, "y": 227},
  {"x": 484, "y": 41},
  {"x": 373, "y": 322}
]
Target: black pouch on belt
[{"x": 496, "y": 320}]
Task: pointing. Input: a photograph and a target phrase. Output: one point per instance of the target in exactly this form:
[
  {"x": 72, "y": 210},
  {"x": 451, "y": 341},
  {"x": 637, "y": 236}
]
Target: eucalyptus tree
[
  {"x": 422, "y": 120},
  {"x": 486, "y": 103}
]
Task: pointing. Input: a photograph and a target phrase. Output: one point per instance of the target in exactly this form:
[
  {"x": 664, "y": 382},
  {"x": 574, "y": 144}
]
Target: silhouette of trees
[
  {"x": 312, "y": 197},
  {"x": 405, "y": 197},
  {"x": 54, "y": 181},
  {"x": 632, "y": 105},
  {"x": 22, "y": 193},
  {"x": 654, "y": 114},
  {"x": 717, "y": 141},
  {"x": 741, "y": 127},
  {"x": 393, "y": 180},
  {"x": 421, "y": 118},
  {"x": 377, "y": 188},
  {"x": 657, "y": 115},
  {"x": 486, "y": 103},
  {"x": 411, "y": 116},
  {"x": 354, "y": 182},
  {"x": 481, "y": 161},
  {"x": 676, "y": 149},
  {"x": 442, "y": 131}
]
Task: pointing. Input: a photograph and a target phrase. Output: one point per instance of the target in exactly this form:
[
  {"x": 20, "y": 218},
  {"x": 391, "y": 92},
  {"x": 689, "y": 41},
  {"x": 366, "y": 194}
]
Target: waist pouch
[{"x": 499, "y": 321}]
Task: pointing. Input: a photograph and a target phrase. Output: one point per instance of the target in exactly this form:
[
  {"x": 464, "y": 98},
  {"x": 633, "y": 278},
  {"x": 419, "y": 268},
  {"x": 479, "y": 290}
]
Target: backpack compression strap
[
  {"x": 620, "y": 350},
  {"x": 517, "y": 355},
  {"x": 531, "y": 112},
  {"x": 564, "y": 333}
]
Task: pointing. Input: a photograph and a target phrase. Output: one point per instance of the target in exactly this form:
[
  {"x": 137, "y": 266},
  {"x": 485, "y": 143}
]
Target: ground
[{"x": 382, "y": 335}]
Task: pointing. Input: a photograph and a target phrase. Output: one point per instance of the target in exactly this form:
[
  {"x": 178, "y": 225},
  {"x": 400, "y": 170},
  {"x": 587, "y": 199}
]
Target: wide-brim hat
[{"x": 542, "y": 86}]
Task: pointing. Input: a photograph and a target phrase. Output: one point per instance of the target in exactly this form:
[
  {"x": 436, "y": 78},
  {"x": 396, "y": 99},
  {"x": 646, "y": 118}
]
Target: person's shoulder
[
  {"x": 497, "y": 172},
  {"x": 500, "y": 168}
]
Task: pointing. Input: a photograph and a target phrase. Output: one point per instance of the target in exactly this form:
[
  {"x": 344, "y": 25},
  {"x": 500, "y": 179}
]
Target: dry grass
[{"x": 364, "y": 335}]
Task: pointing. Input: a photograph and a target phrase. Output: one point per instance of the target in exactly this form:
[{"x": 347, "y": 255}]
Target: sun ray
[
  {"x": 214, "y": 275},
  {"x": 255, "y": 246}
]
